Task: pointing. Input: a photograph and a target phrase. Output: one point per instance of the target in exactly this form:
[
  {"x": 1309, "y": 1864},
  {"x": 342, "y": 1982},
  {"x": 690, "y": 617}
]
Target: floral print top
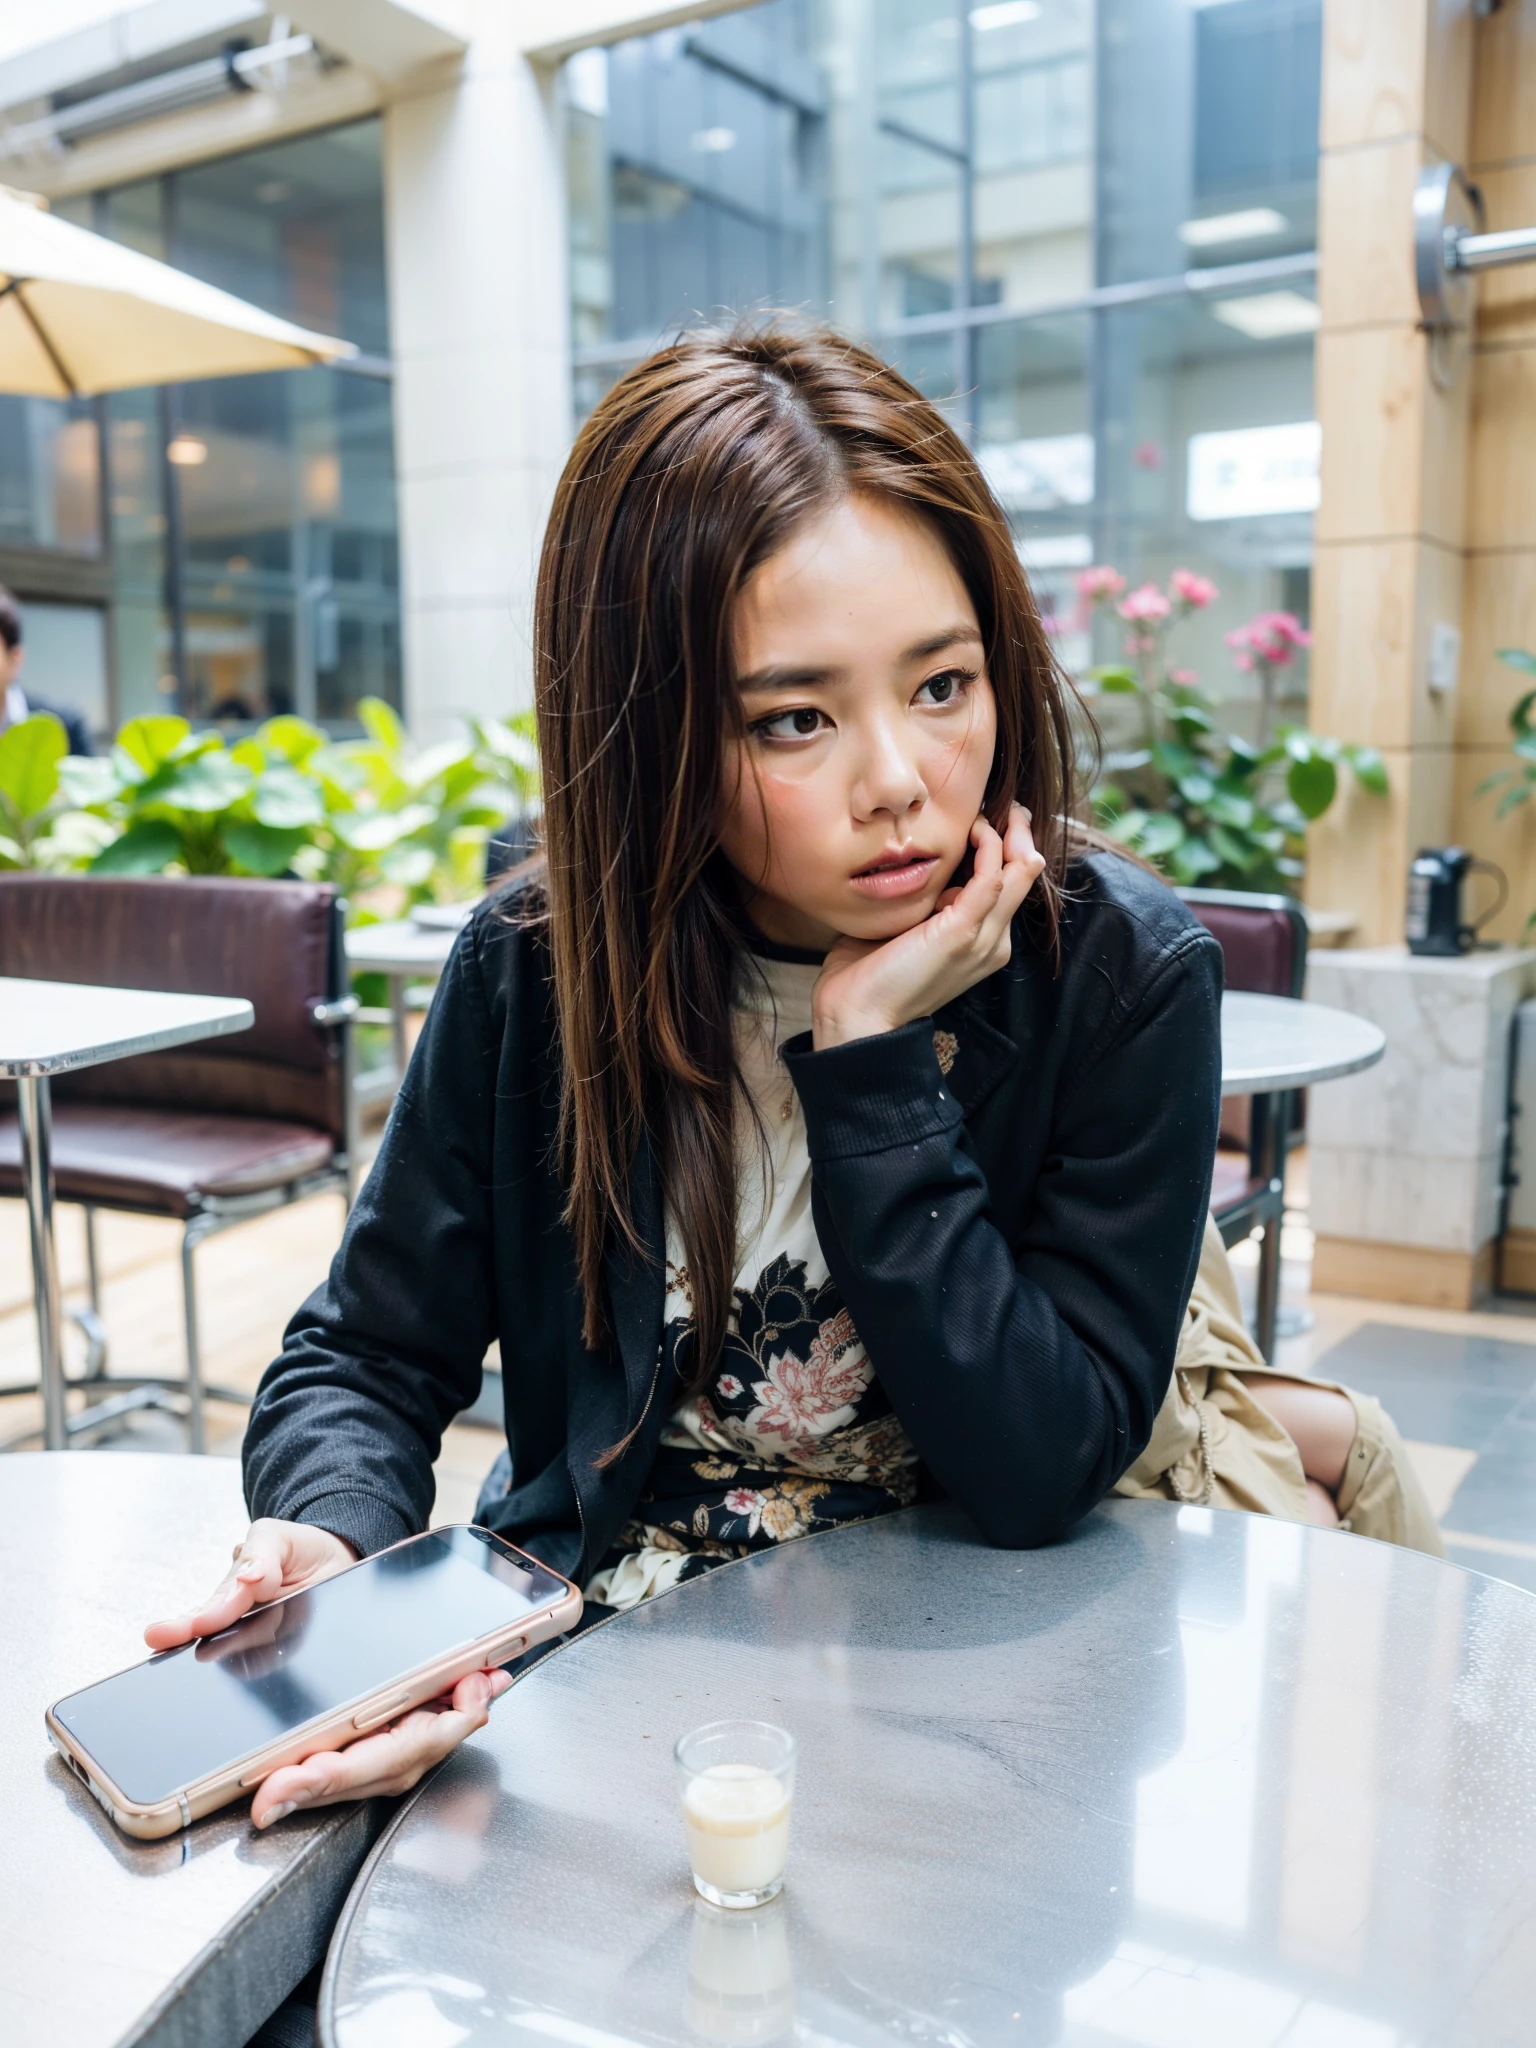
[{"x": 793, "y": 1431}]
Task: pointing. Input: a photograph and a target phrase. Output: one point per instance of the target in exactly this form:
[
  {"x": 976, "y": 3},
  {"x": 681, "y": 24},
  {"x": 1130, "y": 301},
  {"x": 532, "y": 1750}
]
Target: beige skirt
[{"x": 1214, "y": 1445}]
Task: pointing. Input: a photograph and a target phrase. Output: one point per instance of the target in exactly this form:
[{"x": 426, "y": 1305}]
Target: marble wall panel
[{"x": 1442, "y": 1203}]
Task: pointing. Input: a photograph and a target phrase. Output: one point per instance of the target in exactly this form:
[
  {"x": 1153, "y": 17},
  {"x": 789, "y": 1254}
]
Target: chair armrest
[{"x": 341, "y": 1010}]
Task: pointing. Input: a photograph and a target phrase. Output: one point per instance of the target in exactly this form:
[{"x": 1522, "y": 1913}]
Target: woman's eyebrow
[
  {"x": 952, "y": 636},
  {"x": 806, "y": 677},
  {"x": 787, "y": 678}
]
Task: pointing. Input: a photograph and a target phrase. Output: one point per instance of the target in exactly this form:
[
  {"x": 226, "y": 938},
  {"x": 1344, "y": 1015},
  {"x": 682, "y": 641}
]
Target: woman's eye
[
  {"x": 803, "y": 723},
  {"x": 946, "y": 688}
]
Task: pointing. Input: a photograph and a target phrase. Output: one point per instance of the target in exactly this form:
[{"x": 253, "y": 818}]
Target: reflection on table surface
[
  {"x": 104, "y": 1939},
  {"x": 1191, "y": 1778}
]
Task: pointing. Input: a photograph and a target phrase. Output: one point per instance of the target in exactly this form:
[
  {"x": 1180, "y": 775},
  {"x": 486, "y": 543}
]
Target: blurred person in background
[{"x": 16, "y": 703}]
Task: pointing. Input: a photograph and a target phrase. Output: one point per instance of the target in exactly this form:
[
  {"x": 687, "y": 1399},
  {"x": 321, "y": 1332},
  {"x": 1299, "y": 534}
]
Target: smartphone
[{"x": 174, "y": 1738}]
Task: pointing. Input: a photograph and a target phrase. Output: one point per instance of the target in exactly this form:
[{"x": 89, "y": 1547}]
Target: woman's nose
[{"x": 888, "y": 778}]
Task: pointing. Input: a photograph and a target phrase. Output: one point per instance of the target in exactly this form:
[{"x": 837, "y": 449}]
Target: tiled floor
[{"x": 1462, "y": 1388}]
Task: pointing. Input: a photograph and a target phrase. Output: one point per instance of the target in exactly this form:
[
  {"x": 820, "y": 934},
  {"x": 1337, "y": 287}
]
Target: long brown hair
[{"x": 689, "y": 474}]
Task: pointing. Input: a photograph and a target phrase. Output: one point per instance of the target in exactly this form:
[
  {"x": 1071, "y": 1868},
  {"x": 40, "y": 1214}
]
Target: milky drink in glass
[{"x": 737, "y": 1784}]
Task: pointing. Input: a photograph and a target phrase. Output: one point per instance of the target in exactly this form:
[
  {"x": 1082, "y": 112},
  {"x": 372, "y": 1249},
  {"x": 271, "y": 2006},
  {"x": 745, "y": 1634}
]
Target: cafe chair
[
  {"x": 1263, "y": 943},
  {"x": 211, "y": 1133}
]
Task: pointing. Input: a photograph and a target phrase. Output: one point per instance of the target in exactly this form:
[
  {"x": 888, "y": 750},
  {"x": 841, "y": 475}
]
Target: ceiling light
[
  {"x": 1269, "y": 316},
  {"x": 1004, "y": 14},
  {"x": 714, "y": 141},
  {"x": 1247, "y": 226},
  {"x": 187, "y": 452}
]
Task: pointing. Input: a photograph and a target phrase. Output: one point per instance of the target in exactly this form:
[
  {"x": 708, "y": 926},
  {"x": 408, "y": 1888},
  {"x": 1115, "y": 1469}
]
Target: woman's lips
[{"x": 910, "y": 879}]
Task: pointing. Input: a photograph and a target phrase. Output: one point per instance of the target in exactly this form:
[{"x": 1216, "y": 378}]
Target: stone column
[
  {"x": 1406, "y": 1160},
  {"x": 1391, "y": 524},
  {"x": 1500, "y": 592},
  {"x": 479, "y": 314}
]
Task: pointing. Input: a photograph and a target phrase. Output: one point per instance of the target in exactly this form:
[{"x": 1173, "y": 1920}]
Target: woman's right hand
[{"x": 274, "y": 1558}]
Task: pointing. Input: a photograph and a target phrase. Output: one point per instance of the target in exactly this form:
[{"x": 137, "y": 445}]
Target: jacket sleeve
[
  {"x": 347, "y": 1422},
  {"x": 1027, "y": 1381}
]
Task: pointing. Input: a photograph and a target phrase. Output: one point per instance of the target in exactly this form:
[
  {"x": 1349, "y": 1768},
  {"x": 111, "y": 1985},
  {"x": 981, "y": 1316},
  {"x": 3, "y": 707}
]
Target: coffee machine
[{"x": 1435, "y": 923}]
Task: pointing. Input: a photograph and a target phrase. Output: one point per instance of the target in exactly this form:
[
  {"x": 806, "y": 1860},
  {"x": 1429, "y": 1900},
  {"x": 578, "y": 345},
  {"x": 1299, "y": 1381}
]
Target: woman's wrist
[{"x": 841, "y": 1027}]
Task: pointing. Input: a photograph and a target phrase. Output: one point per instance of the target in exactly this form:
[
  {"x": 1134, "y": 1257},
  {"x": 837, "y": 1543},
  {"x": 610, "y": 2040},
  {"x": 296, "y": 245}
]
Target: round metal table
[
  {"x": 1272, "y": 1042},
  {"x": 1189, "y": 1778},
  {"x": 185, "y": 1943},
  {"x": 1271, "y": 1046}
]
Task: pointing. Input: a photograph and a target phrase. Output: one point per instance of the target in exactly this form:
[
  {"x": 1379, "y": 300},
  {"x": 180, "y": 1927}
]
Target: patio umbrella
[{"x": 80, "y": 314}]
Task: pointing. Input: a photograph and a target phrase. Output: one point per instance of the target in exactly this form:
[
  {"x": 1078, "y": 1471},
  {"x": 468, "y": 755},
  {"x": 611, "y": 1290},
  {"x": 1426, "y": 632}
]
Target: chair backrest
[
  {"x": 278, "y": 944},
  {"x": 1263, "y": 939}
]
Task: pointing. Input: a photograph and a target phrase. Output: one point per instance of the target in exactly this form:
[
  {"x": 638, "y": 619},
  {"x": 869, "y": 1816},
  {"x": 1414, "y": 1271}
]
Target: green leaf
[
  {"x": 88, "y": 780},
  {"x": 1517, "y": 657},
  {"x": 30, "y": 753},
  {"x": 207, "y": 781},
  {"x": 144, "y": 849},
  {"x": 408, "y": 867},
  {"x": 1520, "y": 717},
  {"x": 1495, "y": 781},
  {"x": 150, "y": 742},
  {"x": 381, "y": 724},
  {"x": 1197, "y": 788},
  {"x": 1192, "y": 860},
  {"x": 1235, "y": 852},
  {"x": 1160, "y": 835},
  {"x": 1116, "y": 682},
  {"x": 1312, "y": 782},
  {"x": 1174, "y": 761},
  {"x": 1230, "y": 809},
  {"x": 294, "y": 738},
  {"x": 287, "y": 800},
  {"x": 375, "y": 831},
  {"x": 1370, "y": 769},
  {"x": 1512, "y": 799},
  {"x": 261, "y": 849}
]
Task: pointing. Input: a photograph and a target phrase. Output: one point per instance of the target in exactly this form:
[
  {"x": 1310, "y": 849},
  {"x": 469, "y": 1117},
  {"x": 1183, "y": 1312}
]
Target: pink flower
[
  {"x": 1147, "y": 603},
  {"x": 1195, "y": 591},
  {"x": 802, "y": 1398},
  {"x": 1269, "y": 638},
  {"x": 1185, "y": 677},
  {"x": 1148, "y": 455},
  {"x": 1100, "y": 583},
  {"x": 748, "y": 1502}
]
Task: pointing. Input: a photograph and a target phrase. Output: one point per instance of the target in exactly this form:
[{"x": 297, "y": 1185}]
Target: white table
[
  {"x": 403, "y": 951},
  {"x": 57, "y": 1027},
  {"x": 184, "y": 1943},
  {"x": 1271, "y": 1046}
]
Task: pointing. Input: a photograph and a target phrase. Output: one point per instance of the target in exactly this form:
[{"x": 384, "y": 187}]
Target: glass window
[
  {"x": 50, "y": 475},
  {"x": 254, "y": 531},
  {"x": 1029, "y": 205}
]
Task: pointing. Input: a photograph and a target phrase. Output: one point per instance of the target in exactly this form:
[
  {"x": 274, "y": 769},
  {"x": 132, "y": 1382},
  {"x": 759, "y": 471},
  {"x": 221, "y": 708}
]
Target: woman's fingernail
[
  {"x": 249, "y": 1570},
  {"x": 280, "y": 1812}
]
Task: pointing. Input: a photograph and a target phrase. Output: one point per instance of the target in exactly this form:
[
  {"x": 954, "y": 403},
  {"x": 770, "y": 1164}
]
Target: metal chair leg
[
  {"x": 196, "y": 1430},
  {"x": 88, "y": 1320}
]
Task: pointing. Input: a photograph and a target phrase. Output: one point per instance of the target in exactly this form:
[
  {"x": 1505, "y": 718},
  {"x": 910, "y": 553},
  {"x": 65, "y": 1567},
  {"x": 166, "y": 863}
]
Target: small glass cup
[{"x": 738, "y": 1778}]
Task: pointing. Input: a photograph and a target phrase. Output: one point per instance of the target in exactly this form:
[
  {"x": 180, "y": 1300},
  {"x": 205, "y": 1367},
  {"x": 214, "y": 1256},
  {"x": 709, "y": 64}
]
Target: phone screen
[{"x": 187, "y": 1712}]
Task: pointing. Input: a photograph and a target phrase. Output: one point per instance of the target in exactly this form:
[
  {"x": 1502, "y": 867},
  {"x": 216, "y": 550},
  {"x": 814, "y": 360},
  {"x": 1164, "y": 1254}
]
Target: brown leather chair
[
  {"x": 1264, "y": 948},
  {"x": 211, "y": 1133}
]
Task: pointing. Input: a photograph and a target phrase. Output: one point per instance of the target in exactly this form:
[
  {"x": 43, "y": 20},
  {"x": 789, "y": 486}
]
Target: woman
[{"x": 820, "y": 1049}]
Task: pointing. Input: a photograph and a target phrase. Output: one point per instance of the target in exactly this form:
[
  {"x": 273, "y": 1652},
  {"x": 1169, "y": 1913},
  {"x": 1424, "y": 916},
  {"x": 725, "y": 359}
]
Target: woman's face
[{"x": 870, "y": 728}]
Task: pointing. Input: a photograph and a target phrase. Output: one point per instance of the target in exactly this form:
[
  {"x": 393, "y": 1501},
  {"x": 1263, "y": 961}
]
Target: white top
[
  {"x": 53, "y": 1027},
  {"x": 791, "y": 1432}
]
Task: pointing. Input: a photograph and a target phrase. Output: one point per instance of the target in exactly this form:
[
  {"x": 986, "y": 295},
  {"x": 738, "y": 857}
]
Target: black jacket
[{"x": 1015, "y": 1241}]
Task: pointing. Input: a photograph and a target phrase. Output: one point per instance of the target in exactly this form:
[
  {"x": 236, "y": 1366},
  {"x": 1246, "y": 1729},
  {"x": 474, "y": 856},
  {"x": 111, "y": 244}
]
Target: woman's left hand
[
  {"x": 386, "y": 1763},
  {"x": 867, "y": 988}
]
